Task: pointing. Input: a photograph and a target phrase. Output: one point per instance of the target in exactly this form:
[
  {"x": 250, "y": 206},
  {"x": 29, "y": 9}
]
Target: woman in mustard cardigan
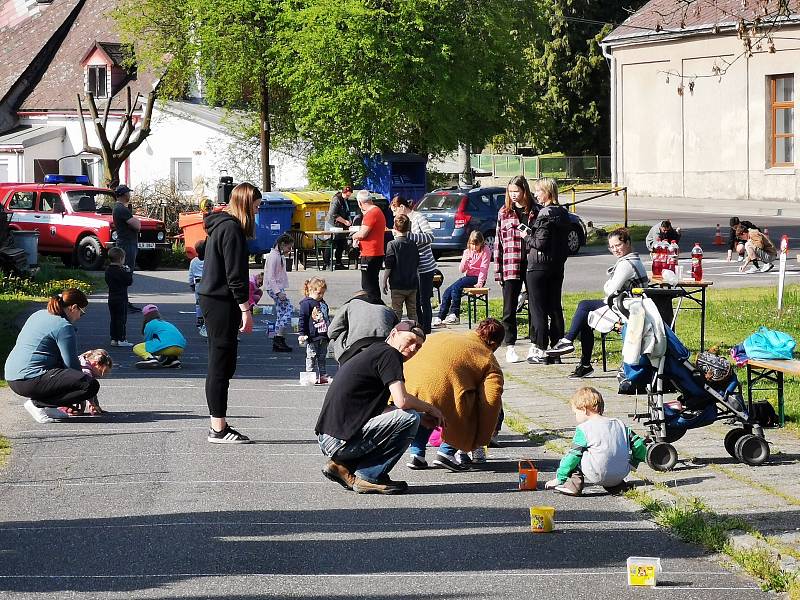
[{"x": 459, "y": 374}]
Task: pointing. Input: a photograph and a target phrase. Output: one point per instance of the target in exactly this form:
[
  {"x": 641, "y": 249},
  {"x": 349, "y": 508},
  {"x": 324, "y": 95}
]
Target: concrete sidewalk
[
  {"x": 767, "y": 497},
  {"x": 138, "y": 505}
]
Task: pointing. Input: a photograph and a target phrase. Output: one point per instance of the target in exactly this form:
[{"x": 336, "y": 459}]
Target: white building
[
  {"x": 50, "y": 53},
  {"x": 694, "y": 114}
]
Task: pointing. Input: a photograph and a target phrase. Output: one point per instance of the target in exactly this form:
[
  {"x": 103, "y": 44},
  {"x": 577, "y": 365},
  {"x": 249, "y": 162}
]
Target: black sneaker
[
  {"x": 170, "y": 362},
  {"x": 132, "y": 308},
  {"x": 279, "y": 345},
  {"x": 227, "y": 436},
  {"x": 417, "y": 463},
  {"x": 564, "y": 346},
  {"x": 553, "y": 360},
  {"x": 449, "y": 463},
  {"x": 149, "y": 363},
  {"x": 581, "y": 371}
]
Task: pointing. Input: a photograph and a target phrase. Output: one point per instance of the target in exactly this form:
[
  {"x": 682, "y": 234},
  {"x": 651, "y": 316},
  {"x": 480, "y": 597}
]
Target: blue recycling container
[{"x": 273, "y": 217}]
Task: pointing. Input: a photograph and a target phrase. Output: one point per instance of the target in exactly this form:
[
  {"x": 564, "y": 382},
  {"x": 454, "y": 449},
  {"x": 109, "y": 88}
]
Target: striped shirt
[{"x": 422, "y": 235}]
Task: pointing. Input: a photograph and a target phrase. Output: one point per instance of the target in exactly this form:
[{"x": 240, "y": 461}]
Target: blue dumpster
[{"x": 273, "y": 217}]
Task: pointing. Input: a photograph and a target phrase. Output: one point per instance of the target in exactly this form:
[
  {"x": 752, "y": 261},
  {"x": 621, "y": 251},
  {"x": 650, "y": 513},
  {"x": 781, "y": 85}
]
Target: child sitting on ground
[
  {"x": 401, "y": 265},
  {"x": 602, "y": 450},
  {"x": 276, "y": 281},
  {"x": 314, "y": 322},
  {"x": 94, "y": 363},
  {"x": 195, "y": 275},
  {"x": 475, "y": 267},
  {"x": 163, "y": 344},
  {"x": 118, "y": 278}
]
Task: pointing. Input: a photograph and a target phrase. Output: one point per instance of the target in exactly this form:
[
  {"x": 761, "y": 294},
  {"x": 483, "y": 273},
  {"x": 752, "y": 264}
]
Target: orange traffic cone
[{"x": 718, "y": 241}]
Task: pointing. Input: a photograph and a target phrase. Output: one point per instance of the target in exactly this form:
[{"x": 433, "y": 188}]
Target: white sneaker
[
  {"x": 436, "y": 322},
  {"x": 740, "y": 259},
  {"x": 766, "y": 267},
  {"x": 202, "y": 331},
  {"x": 124, "y": 344},
  {"x": 44, "y": 414},
  {"x": 114, "y": 343},
  {"x": 753, "y": 269},
  {"x": 535, "y": 352},
  {"x": 479, "y": 455},
  {"x": 451, "y": 319},
  {"x": 511, "y": 355}
]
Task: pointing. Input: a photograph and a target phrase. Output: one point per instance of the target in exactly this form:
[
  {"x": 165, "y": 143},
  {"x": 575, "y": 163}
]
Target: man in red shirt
[{"x": 370, "y": 239}]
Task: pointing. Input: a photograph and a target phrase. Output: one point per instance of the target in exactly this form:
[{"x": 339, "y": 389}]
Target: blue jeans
[
  {"x": 451, "y": 299},
  {"x": 421, "y": 440},
  {"x": 580, "y": 327},
  {"x": 376, "y": 449}
]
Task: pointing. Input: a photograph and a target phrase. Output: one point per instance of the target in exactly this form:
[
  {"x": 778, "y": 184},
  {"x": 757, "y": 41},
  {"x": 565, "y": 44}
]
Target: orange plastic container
[
  {"x": 191, "y": 225},
  {"x": 528, "y": 475}
]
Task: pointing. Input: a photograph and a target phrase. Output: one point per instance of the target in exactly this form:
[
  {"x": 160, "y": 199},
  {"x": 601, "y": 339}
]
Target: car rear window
[
  {"x": 82, "y": 200},
  {"x": 440, "y": 202}
]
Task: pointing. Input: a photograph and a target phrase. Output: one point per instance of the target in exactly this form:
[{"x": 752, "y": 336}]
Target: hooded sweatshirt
[{"x": 225, "y": 272}]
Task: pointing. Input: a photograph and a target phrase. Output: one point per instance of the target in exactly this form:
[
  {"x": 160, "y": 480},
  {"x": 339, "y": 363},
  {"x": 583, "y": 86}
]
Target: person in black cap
[{"x": 127, "y": 227}]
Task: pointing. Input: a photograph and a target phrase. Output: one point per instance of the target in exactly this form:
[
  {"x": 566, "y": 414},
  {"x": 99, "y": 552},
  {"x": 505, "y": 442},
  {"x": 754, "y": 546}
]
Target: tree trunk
[
  {"x": 264, "y": 126},
  {"x": 465, "y": 177}
]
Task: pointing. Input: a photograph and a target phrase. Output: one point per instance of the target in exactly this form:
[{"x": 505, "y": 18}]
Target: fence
[{"x": 563, "y": 168}]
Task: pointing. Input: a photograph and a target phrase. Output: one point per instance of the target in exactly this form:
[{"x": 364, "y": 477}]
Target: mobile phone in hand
[{"x": 522, "y": 228}]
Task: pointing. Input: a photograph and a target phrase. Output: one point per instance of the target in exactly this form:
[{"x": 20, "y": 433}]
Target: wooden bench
[
  {"x": 475, "y": 295},
  {"x": 771, "y": 372}
]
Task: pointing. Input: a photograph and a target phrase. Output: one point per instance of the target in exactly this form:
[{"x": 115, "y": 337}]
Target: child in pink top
[
  {"x": 276, "y": 280},
  {"x": 475, "y": 267}
]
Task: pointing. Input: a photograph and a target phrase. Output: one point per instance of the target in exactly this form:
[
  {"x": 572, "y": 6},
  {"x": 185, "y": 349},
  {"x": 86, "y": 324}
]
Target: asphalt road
[{"x": 138, "y": 505}]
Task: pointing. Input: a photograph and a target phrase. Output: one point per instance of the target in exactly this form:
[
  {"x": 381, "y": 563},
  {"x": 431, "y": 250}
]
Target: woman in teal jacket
[{"x": 163, "y": 343}]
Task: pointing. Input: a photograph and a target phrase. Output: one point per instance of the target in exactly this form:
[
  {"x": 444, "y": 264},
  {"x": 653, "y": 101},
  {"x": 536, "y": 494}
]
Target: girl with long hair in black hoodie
[{"x": 224, "y": 294}]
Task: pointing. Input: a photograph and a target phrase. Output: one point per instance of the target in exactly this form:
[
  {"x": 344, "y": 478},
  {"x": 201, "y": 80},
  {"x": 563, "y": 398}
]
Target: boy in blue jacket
[{"x": 163, "y": 343}]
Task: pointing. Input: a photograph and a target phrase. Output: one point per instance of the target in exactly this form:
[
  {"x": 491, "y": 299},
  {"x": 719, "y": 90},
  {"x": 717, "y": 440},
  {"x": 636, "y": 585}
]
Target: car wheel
[
  {"x": 149, "y": 260},
  {"x": 90, "y": 253},
  {"x": 574, "y": 240}
]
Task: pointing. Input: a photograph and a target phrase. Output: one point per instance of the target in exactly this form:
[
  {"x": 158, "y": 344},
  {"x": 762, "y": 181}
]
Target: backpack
[
  {"x": 764, "y": 414},
  {"x": 715, "y": 368}
]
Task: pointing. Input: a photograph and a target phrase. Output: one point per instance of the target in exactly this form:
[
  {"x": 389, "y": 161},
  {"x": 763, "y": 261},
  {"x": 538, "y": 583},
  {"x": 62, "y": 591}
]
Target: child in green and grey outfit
[{"x": 602, "y": 450}]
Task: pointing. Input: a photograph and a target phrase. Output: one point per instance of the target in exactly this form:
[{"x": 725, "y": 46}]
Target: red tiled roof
[
  {"x": 63, "y": 80},
  {"x": 22, "y": 42},
  {"x": 671, "y": 17}
]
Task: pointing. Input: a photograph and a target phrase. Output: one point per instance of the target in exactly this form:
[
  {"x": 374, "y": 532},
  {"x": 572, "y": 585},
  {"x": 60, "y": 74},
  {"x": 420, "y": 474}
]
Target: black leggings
[
  {"x": 57, "y": 387},
  {"x": 424, "y": 295},
  {"x": 544, "y": 300},
  {"x": 223, "y": 317},
  {"x": 511, "y": 290}
]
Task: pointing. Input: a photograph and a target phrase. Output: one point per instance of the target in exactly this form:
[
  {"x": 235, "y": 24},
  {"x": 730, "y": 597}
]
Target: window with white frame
[
  {"x": 93, "y": 169},
  {"x": 181, "y": 174},
  {"x": 3, "y": 171},
  {"x": 96, "y": 80}
]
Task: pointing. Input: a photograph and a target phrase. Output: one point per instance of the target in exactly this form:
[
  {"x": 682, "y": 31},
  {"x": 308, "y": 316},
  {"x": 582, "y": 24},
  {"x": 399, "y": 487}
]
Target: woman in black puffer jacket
[{"x": 547, "y": 249}]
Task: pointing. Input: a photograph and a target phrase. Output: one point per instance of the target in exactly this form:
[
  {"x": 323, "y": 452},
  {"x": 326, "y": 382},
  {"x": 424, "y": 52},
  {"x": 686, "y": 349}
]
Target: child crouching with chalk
[{"x": 602, "y": 450}]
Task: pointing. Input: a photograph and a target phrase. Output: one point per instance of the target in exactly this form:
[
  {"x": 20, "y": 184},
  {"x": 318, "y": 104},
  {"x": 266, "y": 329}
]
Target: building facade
[{"x": 697, "y": 115}]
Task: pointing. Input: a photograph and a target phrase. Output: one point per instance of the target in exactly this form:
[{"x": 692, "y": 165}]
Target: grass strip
[{"x": 692, "y": 521}]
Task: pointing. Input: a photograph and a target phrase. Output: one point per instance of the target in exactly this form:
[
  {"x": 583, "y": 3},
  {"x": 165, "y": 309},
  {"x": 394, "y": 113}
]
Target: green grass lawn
[
  {"x": 731, "y": 316},
  {"x": 638, "y": 233}
]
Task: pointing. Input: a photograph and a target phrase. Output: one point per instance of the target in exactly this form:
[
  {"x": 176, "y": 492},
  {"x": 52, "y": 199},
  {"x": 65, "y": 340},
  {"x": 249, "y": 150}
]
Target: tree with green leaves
[
  {"x": 563, "y": 105},
  {"x": 368, "y": 76},
  {"x": 224, "y": 46}
]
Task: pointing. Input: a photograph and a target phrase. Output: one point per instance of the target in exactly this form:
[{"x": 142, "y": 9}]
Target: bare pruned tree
[{"x": 128, "y": 137}]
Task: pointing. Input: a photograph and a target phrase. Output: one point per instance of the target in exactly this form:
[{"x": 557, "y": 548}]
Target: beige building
[{"x": 694, "y": 114}]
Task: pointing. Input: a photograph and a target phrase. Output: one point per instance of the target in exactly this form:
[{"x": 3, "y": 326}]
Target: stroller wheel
[
  {"x": 752, "y": 450},
  {"x": 733, "y": 436},
  {"x": 662, "y": 456}
]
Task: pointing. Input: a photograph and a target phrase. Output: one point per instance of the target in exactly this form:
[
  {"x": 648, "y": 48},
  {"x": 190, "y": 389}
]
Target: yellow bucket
[
  {"x": 542, "y": 519},
  {"x": 643, "y": 570}
]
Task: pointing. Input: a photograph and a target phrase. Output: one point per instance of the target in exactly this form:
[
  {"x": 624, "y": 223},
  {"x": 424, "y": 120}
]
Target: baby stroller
[{"x": 709, "y": 391}]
